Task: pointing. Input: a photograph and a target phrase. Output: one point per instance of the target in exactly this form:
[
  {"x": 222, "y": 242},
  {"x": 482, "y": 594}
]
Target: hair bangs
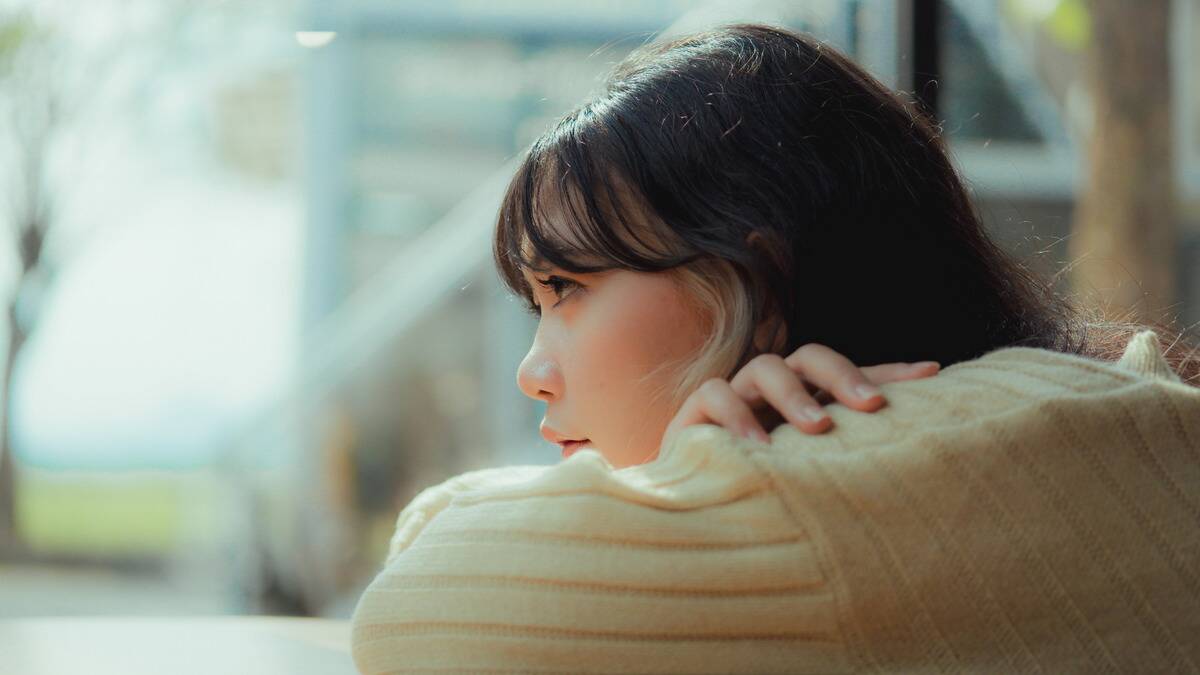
[{"x": 570, "y": 206}]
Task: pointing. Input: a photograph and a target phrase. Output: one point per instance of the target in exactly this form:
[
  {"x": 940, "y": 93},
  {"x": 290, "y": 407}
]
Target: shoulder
[
  {"x": 579, "y": 556},
  {"x": 705, "y": 466},
  {"x": 980, "y": 499},
  {"x": 1008, "y": 386}
]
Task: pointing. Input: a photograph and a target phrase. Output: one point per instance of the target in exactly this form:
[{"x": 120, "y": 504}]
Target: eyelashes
[{"x": 559, "y": 286}]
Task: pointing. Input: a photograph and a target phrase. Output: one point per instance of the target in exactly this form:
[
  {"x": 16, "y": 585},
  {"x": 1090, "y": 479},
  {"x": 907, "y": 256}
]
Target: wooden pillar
[{"x": 1123, "y": 241}]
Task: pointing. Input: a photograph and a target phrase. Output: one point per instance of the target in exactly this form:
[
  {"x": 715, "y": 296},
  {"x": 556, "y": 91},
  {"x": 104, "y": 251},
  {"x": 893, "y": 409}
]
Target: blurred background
[{"x": 245, "y": 250}]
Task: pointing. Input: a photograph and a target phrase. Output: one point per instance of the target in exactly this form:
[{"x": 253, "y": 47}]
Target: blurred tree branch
[
  {"x": 32, "y": 113},
  {"x": 46, "y": 85}
]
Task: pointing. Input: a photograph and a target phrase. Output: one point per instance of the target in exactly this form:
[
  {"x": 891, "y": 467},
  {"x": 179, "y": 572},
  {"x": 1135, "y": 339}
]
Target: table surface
[{"x": 181, "y": 646}]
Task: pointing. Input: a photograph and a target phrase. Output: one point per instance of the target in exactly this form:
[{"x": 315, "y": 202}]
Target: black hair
[{"x": 833, "y": 198}]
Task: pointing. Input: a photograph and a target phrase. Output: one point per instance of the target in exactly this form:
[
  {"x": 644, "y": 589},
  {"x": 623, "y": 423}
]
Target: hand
[{"x": 771, "y": 385}]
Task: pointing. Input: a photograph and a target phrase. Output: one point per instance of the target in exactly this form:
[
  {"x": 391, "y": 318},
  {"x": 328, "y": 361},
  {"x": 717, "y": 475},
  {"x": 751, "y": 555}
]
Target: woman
[
  {"x": 791, "y": 200},
  {"x": 738, "y": 219}
]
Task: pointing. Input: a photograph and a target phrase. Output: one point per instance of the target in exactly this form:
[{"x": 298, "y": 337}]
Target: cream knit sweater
[{"x": 1027, "y": 511}]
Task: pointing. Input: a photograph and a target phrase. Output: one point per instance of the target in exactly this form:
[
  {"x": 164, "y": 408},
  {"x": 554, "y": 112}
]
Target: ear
[{"x": 770, "y": 335}]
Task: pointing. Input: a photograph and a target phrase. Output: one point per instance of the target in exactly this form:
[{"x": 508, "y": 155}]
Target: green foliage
[
  {"x": 1067, "y": 22},
  {"x": 17, "y": 31},
  {"x": 1070, "y": 25},
  {"x": 80, "y": 516}
]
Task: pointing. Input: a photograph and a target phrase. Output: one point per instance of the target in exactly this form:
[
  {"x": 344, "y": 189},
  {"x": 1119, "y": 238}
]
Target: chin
[{"x": 626, "y": 462}]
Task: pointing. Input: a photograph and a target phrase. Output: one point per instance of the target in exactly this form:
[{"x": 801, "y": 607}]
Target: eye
[
  {"x": 561, "y": 287},
  {"x": 557, "y": 284}
]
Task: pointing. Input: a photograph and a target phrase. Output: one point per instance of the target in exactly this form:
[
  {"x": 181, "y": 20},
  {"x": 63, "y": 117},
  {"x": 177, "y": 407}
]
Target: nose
[{"x": 539, "y": 376}]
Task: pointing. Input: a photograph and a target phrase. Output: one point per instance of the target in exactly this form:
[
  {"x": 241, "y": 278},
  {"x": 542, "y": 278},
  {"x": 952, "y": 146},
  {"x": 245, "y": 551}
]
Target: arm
[{"x": 687, "y": 563}]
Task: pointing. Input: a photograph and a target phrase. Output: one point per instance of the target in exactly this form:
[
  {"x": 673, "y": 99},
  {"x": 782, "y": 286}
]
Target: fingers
[
  {"x": 793, "y": 386},
  {"x": 716, "y": 402},
  {"x": 898, "y": 372},
  {"x": 768, "y": 378},
  {"x": 837, "y": 375}
]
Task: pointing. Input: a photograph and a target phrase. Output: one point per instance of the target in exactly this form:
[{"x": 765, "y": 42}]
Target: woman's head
[{"x": 763, "y": 192}]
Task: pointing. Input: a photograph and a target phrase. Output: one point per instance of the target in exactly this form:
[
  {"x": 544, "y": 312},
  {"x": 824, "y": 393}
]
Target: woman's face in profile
[{"x": 602, "y": 358}]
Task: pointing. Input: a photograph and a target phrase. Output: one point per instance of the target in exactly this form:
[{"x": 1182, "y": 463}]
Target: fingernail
[
  {"x": 926, "y": 364},
  {"x": 866, "y": 391},
  {"x": 814, "y": 413}
]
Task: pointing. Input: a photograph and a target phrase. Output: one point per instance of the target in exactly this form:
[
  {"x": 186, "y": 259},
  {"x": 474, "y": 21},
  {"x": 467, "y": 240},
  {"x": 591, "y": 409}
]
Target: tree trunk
[
  {"x": 1124, "y": 241},
  {"x": 11, "y": 543}
]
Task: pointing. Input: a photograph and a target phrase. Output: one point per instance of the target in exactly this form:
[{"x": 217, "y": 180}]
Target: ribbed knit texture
[{"x": 1027, "y": 511}]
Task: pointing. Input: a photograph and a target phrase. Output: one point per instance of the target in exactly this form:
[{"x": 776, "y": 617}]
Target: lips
[{"x": 571, "y": 447}]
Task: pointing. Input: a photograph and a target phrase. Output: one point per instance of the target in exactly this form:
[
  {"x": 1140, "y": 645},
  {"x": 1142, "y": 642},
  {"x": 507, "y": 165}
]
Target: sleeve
[
  {"x": 433, "y": 500},
  {"x": 689, "y": 562},
  {"x": 1027, "y": 511}
]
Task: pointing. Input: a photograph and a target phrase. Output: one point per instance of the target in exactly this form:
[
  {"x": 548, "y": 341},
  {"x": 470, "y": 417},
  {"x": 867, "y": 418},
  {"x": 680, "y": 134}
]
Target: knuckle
[
  {"x": 808, "y": 351},
  {"x": 769, "y": 363},
  {"x": 762, "y": 362},
  {"x": 766, "y": 357},
  {"x": 812, "y": 348},
  {"x": 712, "y": 387}
]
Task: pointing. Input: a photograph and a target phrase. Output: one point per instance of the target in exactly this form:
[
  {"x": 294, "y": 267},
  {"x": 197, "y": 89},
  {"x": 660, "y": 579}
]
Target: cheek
[
  {"x": 624, "y": 341},
  {"x": 621, "y": 343}
]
